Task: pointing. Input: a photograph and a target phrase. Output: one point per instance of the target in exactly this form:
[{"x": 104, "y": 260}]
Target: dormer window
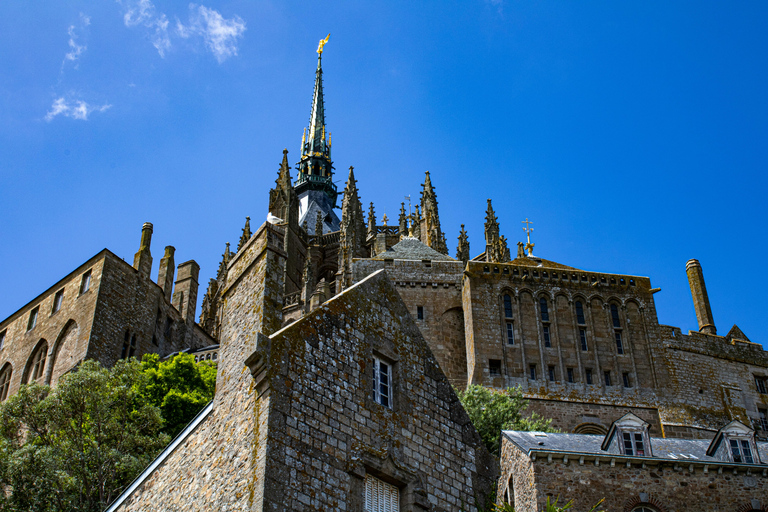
[
  {"x": 629, "y": 436},
  {"x": 741, "y": 451},
  {"x": 735, "y": 442},
  {"x": 633, "y": 443}
]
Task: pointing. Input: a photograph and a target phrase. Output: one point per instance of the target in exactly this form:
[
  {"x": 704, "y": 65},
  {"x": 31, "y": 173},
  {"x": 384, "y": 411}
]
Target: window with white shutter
[{"x": 380, "y": 496}]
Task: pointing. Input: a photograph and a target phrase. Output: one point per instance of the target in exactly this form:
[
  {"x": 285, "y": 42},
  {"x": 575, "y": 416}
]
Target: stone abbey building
[{"x": 340, "y": 342}]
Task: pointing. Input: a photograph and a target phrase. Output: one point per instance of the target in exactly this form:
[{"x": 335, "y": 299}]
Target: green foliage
[
  {"x": 493, "y": 411},
  {"x": 179, "y": 387},
  {"x": 549, "y": 507},
  {"x": 74, "y": 447}
]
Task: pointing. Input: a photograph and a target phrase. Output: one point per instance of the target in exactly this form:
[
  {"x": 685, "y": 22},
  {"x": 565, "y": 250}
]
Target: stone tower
[{"x": 314, "y": 184}]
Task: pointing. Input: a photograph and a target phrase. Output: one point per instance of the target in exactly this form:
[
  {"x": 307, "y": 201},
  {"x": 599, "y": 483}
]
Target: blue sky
[{"x": 633, "y": 135}]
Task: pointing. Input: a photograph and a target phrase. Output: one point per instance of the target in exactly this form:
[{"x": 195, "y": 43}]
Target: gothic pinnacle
[
  {"x": 462, "y": 251},
  {"x": 246, "y": 233}
]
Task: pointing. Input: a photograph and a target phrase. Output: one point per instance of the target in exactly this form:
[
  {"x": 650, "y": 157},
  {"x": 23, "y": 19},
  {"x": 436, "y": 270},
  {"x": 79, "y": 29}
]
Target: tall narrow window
[
  {"x": 615, "y": 316},
  {"x": 420, "y": 312},
  {"x": 569, "y": 371},
  {"x": 545, "y": 332},
  {"x": 5, "y": 382},
  {"x": 532, "y": 369},
  {"x": 2, "y": 337},
  {"x": 132, "y": 350},
  {"x": 380, "y": 496},
  {"x": 588, "y": 374},
  {"x": 580, "y": 313},
  {"x": 625, "y": 378},
  {"x": 607, "y": 376},
  {"x": 510, "y": 334},
  {"x": 37, "y": 363},
  {"x": 382, "y": 382},
  {"x": 619, "y": 344},
  {"x": 762, "y": 422},
  {"x": 583, "y": 338},
  {"x": 551, "y": 371},
  {"x": 85, "y": 283},
  {"x": 544, "y": 310},
  {"x": 32, "y": 321},
  {"x": 58, "y": 299},
  {"x": 507, "y": 306},
  {"x": 762, "y": 385},
  {"x": 126, "y": 345}
]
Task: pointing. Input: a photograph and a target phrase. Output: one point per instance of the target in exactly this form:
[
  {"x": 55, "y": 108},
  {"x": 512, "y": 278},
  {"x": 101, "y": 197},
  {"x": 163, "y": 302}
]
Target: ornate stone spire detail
[
  {"x": 403, "y": 221},
  {"x": 462, "y": 251},
  {"x": 496, "y": 249},
  {"x": 283, "y": 202},
  {"x": 246, "y": 234},
  {"x": 371, "y": 221},
  {"x": 353, "y": 230},
  {"x": 416, "y": 223},
  {"x": 431, "y": 234},
  {"x": 319, "y": 224}
]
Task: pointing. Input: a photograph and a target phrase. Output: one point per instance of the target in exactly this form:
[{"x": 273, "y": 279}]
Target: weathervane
[
  {"x": 528, "y": 229},
  {"x": 322, "y": 43}
]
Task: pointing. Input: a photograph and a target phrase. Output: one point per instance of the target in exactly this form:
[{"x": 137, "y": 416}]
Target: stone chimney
[
  {"x": 185, "y": 294},
  {"x": 165, "y": 274},
  {"x": 700, "y": 297},
  {"x": 142, "y": 261}
]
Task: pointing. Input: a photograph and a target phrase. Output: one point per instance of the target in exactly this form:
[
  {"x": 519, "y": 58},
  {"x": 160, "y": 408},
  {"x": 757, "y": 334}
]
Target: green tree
[
  {"x": 493, "y": 411},
  {"x": 76, "y": 446},
  {"x": 179, "y": 387}
]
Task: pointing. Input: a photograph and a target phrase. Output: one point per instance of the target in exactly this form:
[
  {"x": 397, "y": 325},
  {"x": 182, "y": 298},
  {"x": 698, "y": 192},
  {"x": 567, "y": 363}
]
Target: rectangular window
[
  {"x": 746, "y": 451},
  {"x": 588, "y": 375},
  {"x": 58, "y": 299},
  {"x": 507, "y": 306},
  {"x": 420, "y": 312},
  {"x": 628, "y": 444},
  {"x": 639, "y": 446},
  {"x": 627, "y": 382},
  {"x": 580, "y": 313},
  {"x": 380, "y": 496},
  {"x": 551, "y": 371},
  {"x": 85, "y": 284},
  {"x": 544, "y": 310},
  {"x": 762, "y": 422},
  {"x": 494, "y": 367},
  {"x": 545, "y": 331},
  {"x": 615, "y": 315},
  {"x": 583, "y": 338},
  {"x": 619, "y": 344},
  {"x": 510, "y": 334},
  {"x": 607, "y": 376},
  {"x": 532, "y": 369},
  {"x": 32, "y": 322},
  {"x": 570, "y": 374},
  {"x": 382, "y": 382},
  {"x": 2, "y": 337},
  {"x": 762, "y": 384},
  {"x": 735, "y": 451}
]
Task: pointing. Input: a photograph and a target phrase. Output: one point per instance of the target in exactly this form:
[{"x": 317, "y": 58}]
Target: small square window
[
  {"x": 627, "y": 382},
  {"x": 532, "y": 369},
  {"x": 420, "y": 312},
  {"x": 85, "y": 283},
  {"x": 494, "y": 367},
  {"x": 551, "y": 371},
  {"x": 762, "y": 384},
  {"x": 382, "y": 382},
  {"x": 58, "y": 299},
  {"x": 588, "y": 374},
  {"x": 569, "y": 371},
  {"x": 607, "y": 376},
  {"x": 32, "y": 322}
]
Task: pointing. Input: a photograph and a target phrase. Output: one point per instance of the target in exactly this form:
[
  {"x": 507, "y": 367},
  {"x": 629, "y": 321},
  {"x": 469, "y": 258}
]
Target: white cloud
[
  {"x": 76, "y": 109},
  {"x": 76, "y": 49},
  {"x": 220, "y": 34},
  {"x": 143, "y": 13}
]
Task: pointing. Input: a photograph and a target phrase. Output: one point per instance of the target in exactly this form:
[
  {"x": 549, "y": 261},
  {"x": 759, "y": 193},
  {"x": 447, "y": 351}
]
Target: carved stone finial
[{"x": 462, "y": 251}]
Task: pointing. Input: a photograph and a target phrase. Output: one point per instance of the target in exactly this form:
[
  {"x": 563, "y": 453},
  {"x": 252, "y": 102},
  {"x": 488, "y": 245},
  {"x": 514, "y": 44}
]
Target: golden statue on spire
[{"x": 322, "y": 43}]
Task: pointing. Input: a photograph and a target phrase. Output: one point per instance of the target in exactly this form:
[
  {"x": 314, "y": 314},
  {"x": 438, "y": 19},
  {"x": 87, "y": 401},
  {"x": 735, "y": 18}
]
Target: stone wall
[{"x": 667, "y": 486}]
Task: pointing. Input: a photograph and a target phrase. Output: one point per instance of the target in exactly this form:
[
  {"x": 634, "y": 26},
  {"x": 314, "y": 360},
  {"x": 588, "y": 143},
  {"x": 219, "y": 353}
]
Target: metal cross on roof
[{"x": 528, "y": 230}]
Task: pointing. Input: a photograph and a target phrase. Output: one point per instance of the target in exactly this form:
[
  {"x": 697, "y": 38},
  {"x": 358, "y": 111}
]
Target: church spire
[
  {"x": 431, "y": 234},
  {"x": 315, "y": 167}
]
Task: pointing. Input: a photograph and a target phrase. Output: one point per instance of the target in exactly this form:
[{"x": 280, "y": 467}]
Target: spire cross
[
  {"x": 528, "y": 230},
  {"x": 410, "y": 220}
]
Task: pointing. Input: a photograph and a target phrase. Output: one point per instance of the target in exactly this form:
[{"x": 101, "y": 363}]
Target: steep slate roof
[
  {"x": 412, "y": 249},
  {"x": 663, "y": 448}
]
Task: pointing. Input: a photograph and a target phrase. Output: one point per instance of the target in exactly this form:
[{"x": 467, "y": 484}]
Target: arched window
[
  {"x": 507, "y": 306},
  {"x": 36, "y": 367},
  {"x": 5, "y": 381},
  {"x": 544, "y": 310},
  {"x": 126, "y": 344},
  {"x": 615, "y": 316},
  {"x": 580, "y": 313}
]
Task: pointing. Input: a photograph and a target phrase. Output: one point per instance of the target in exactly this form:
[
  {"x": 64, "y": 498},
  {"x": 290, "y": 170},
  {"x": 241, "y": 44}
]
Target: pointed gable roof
[{"x": 736, "y": 334}]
